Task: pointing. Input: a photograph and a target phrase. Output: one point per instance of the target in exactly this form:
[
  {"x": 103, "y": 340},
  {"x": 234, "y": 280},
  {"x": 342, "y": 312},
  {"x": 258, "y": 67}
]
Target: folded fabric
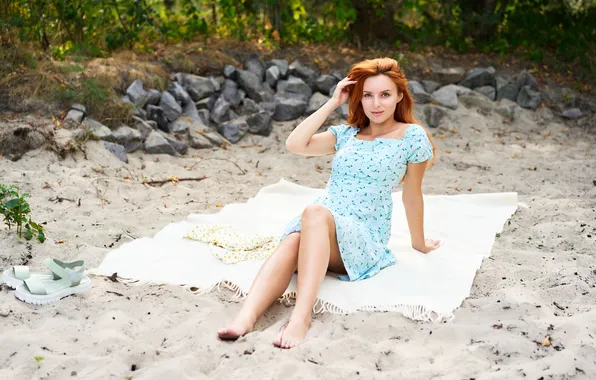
[{"x": 231, "y": 246}]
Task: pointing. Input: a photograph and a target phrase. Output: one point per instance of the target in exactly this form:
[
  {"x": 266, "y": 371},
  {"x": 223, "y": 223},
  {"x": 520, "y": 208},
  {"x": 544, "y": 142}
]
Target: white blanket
[{"x": 421, "y": 287}]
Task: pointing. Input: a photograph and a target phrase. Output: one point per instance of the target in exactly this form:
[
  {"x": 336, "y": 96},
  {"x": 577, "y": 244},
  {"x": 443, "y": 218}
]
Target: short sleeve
[
  {"x": 342, "y": 133},
  {"x": 420, "y": 147}
]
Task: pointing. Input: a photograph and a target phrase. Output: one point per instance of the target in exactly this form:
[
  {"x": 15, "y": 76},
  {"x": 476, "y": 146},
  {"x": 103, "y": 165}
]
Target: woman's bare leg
[
  {"x": 318, "y": 252},
  {"x": 271, "y": 282}
]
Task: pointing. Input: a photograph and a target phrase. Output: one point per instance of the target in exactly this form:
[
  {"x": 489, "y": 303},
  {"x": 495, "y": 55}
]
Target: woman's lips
[{"x": 377, "y": 113}]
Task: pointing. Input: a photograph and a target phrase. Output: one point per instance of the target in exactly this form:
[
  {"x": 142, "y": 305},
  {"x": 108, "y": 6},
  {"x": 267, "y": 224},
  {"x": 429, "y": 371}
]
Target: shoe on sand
[
  {"x": 45, "y": 291},
  {"x": 15, "y": 276}
]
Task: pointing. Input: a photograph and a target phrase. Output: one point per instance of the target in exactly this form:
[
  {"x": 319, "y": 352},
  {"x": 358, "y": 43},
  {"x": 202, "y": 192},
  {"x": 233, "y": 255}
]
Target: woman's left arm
[{"x": 414, "y": 206}]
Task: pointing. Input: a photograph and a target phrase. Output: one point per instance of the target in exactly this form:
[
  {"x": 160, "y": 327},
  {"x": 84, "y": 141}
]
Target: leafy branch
[{"x": 15, "y": 209}]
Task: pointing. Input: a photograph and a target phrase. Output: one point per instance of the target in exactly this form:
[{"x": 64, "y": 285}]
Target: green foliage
[{"x": 16, "y": 210}]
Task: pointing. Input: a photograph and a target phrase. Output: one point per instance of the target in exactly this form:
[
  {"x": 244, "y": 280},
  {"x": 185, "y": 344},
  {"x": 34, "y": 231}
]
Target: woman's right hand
[{"x": 342, "y": 93}]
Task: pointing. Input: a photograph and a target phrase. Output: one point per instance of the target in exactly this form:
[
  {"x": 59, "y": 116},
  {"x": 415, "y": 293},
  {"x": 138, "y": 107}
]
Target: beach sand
[{"x": 539, "y": 282}]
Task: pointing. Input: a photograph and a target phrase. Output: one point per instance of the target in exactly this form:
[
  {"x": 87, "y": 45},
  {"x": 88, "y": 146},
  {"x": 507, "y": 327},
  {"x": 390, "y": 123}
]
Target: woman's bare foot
[
  {"x": 292, "y": 333},
  {"x": 240, "y": 327}
]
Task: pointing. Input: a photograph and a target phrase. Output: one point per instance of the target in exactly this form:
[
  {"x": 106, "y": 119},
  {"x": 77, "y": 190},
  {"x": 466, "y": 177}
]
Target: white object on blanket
[{"x": 421, "y": 287}]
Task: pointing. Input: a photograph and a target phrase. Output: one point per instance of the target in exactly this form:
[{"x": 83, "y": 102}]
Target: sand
[{"x": 539, "y": 282}]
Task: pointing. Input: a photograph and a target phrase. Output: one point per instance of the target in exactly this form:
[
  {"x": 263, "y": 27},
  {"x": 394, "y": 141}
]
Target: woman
[{"x": 346, "y": 231}]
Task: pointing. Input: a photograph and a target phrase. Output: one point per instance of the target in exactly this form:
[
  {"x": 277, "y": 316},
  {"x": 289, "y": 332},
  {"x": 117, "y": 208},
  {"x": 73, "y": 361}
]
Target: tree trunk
[{"x": 369, "y": 27}]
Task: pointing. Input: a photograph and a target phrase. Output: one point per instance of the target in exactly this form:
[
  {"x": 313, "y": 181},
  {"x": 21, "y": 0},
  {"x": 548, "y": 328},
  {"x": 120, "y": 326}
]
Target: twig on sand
[{"x": 173, "y": 180}]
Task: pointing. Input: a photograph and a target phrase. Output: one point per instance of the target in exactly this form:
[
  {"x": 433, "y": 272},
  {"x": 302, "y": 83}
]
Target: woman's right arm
[{"x": 303, "y": 140}]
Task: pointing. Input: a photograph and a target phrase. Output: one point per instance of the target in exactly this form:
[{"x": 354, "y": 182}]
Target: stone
[
  {"x": 230, "y": 93},
  {"x": 256, "y": 66},
  {"x": 156, "y": 143},
  {"x": 479, "y": 77},
  {"x": 287, "y": 108},
  {"x": 157, "y": 114},
  {"x": 79, "y": 107},
  {"x": 488, "y": 91},
  {"x": 220, "y": 110},
  {"x": 233, "y": 130},
  {"x": 229, "y": 72},
  {"x": 98, "y": 130},
  {"x": 250, "y": 83},
  {"x": 529, "y": 98},
  {"x": 129, "y": 138},
  {"x": 434, "y": 115},
  {"x": 154, "y": 97},
  {"x": 296, "y": 86},
  {"x": 74, "y": 118},
  {"x": 171, "y": 108},
  {"x": 179, "y": 93},
  {"x": 315, "y": 102},
  {"x": 137, "y": 93},
  {"x": 446, "y": 96},
  {"x": 180, "y": 147},
  {"x": 259, "y": 123},
  {"x": 197, "y": 87},
  {"x": 572, "y": 114},
  {"x": 117, "y": 149},
  {"x": 430, "y": 86},
  {"x": 198, "y": 140},
  {"x": 418, "y": 92},
  {"x": 272, "y": 75},
  {"x": 325, "y": 82},
  {"x": 506, "y": 109},
  {"x": 282, "y": 65}
]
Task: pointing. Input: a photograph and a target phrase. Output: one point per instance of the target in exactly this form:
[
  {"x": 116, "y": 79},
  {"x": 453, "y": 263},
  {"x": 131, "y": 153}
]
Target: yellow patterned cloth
[{"x": 232, "y": 246}]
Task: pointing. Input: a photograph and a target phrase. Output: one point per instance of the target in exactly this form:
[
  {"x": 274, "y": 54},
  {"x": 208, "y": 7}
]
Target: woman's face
[{"x": 380, "y": 98}]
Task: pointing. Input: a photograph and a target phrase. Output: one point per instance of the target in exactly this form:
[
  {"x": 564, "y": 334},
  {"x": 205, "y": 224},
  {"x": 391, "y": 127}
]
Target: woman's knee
[{"x": 315, "y": 213}]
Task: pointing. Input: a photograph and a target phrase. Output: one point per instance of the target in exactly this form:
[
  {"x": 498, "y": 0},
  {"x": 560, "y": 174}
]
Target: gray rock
[
  {"x": 203, "y": 104},
  {"x": 197, "y": 140},
  {"x": 529, "y": 98},
  {"x": 130, "y": 139},
  {"x": 137, "y": 93},
  {"x": 331, "y": 91},
  {"x": 117, "y": 149},
  {"x": 220, "y": 110},
  {"x": 232, "y": 115},
  {"x": 418, "y": 92},
  {"x": 180, "y": 147},
  {"x": 230, "y": 72},
  {"x": 477, "y": 100},
  {"x": 508, "y": 91},
  {"x": 268, "y": 107},
  {"x": 144, "y": 127},
  {"x": 446, "y": 96},
  {"x": 74, "y": 118},
  {"x": 488, "y": 91},
  {"x": 79, "y": 107},
  {"x": 479, "y": 77},
  {"x": 526, "y": 79},
  {"x": 179, "y": 93},
  {"x": 294, "y": 85},
  {"x": 338, "y": 75},
  {"x": 205, "y": 116},
  {"x": 283, "y": 67},
  {"x": 272, "y": 75},
  {"x": 572, "y": 114},
  {"x": 256, "y": 66},
  {"x": 506, "y": 109},
  {"x": 171, "y": 108},
  {"x": 157, "y": 114},
  {"x": 448, "y": 75},
  {"x": 233, "y": 130},
  {"x": 315, "y": 102},
  {"x": 181, "y": 125},
  {"x": 156, "y": 143},
  {"x": 430, "y": 86},
  {"x": 250, "y": 83},
  {"x": 197, "y": 87},
  {"x": 305, "y": 73},
  {"x": 97, "y": 129},
  {"x": 500, "y": 82},
  {"x": 216, "y": 84},
  {"x": 434, "y": 115},
  {"x": 154, "y": 97},
  {"x": 287, "y": 108},
  {"x": 230, "y": 93},
  {"x": 249, "y": 106},
  {"x": 343, "y": 111},
  {"x": 259, "y": 123},
  {"x": 325, "y": 82}
]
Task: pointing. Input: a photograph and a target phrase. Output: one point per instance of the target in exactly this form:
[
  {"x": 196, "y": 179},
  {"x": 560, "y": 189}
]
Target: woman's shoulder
[
  {"x": 341, "y": 129},
  {"x": 415, "y": 129}
]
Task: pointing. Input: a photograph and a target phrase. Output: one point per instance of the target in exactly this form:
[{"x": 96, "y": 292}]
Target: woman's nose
[{"x": 377, "y": 102}]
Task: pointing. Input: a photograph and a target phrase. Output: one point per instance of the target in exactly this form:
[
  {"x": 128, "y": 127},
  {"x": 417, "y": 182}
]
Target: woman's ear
[{"x": 400, "y": 96}]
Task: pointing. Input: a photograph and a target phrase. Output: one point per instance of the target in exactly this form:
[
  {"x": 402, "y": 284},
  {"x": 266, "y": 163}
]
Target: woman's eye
[{"x": 385, "y": 94}]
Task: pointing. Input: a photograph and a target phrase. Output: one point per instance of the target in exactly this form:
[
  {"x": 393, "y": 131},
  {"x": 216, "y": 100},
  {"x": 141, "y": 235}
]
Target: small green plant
[
  {"x": 38, "y": 359},
  {"x": 15, "y": 209}
]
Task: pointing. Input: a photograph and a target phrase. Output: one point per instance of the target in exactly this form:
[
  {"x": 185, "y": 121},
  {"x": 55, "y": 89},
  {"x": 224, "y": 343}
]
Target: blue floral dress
[{"x": 358, "y": 195}]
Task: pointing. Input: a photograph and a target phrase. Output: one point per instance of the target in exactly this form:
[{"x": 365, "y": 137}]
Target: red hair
[{"x": 404, "y": 109}]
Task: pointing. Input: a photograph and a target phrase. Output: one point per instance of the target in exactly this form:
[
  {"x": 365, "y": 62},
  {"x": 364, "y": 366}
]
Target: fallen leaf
[
  {"x": 518, "y": 137},
  {"x": 457, "y": 188},
  {"x": 46, "y": 186},
  {"x": 98, "y": 170},
  {"x": 546, "y": 342},
  {"x": 219, "y": 205},
  {"x": 126, "y": 177},
  {"x": 165, "y": 205},
  {"x": 498, "y": 326},
  {"x": 547, "y": 133},
  {"x": 60, "y": 242}
]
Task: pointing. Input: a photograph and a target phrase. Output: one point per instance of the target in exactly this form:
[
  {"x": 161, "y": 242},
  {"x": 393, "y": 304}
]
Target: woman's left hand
[{"x": 429, "y": 245}]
